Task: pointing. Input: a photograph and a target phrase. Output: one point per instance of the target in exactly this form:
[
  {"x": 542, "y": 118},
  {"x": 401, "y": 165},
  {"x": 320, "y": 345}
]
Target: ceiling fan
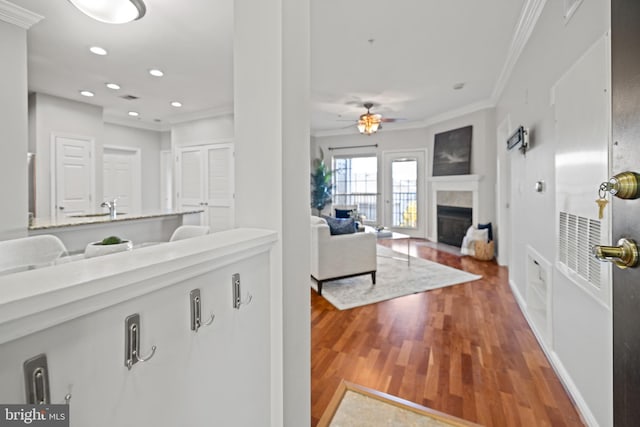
[{"x": 369, "y": 123}]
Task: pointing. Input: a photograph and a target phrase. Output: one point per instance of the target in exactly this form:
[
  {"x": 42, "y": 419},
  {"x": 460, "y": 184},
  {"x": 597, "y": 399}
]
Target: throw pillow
[
  {"x": 488, "y": 227},
  {"x": 340, "y": 225},
  {"x": 343, "y": 213}
]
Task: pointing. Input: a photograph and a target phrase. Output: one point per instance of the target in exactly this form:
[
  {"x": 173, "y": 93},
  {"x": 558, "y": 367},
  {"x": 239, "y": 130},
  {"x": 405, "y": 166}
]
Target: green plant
[
  {"x": 111, "y": 240},
  {"x": 320, "y": 184}
]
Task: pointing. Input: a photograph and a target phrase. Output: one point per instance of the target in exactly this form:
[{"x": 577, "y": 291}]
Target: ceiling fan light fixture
[
  {"x": 368, "y": 123},
  {"x": 112, "y": 11}
]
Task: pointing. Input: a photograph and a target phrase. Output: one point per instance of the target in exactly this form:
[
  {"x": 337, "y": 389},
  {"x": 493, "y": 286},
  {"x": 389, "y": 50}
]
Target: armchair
[{"x": 340, "y": 256}]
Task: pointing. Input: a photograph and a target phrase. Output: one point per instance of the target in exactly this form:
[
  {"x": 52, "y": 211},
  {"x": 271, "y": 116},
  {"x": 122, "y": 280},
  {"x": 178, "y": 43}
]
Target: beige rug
[
  {"x": 356, "y": 406},
  {"x": 394, "y": 279}
]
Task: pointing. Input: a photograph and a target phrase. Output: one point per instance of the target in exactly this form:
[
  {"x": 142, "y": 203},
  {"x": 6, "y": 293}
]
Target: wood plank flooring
[{"x": 465, "y": 350}]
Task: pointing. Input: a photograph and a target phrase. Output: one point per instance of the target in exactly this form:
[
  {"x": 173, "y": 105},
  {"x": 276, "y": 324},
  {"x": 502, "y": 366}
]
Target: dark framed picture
[{"x": 452, "y": 152}]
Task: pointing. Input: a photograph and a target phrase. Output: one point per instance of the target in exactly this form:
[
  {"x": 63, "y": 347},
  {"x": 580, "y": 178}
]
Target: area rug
[
  {"x": 353, "y": 405},
  {"x": 394, "y": 279}
]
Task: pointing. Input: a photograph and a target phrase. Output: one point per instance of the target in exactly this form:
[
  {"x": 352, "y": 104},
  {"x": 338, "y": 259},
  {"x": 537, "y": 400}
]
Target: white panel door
[
  {"x": 205, "y": 181},
  {"x": 190, "y": 183},
  {"x": 73, "y": 185},
  {"x": 122, "y": 178},
  {"x": 219, "y": 195}
]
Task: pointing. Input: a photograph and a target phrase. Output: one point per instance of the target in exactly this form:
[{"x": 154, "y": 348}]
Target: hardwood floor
[{"x": 465, "y": 350}]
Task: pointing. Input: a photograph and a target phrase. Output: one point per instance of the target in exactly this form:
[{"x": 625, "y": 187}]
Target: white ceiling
[{"x": 419, "y": 50}]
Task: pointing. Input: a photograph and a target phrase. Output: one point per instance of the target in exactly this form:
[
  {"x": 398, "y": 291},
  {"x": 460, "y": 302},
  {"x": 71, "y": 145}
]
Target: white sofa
[{"x": 340, "y": 256}]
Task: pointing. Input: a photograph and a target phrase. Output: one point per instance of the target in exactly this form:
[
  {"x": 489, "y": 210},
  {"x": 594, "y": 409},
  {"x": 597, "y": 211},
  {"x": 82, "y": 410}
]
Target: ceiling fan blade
[{"x": 391, "y": 120}]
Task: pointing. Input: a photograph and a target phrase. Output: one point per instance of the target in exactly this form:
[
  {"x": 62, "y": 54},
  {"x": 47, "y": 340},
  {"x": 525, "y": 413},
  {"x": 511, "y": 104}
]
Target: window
[{"x": 355, "y": 182}]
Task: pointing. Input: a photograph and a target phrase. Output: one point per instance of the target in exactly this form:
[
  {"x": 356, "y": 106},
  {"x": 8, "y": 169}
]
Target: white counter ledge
[
  {"x": 69, "y": 220},
  {"x": 34, "y": 300}
]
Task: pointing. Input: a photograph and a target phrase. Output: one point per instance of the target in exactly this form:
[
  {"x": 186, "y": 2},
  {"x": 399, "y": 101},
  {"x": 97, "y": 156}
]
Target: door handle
[{"x": 625, "y": 255}]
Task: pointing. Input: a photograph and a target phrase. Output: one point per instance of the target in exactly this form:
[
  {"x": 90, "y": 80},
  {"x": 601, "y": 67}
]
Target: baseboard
[{"x": 557, "y": 365}]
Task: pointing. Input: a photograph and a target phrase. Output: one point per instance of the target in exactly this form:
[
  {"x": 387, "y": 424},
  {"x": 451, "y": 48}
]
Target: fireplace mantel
[
  {"x": 455, "y": 178},
  {"x": 452, "y": 183}
]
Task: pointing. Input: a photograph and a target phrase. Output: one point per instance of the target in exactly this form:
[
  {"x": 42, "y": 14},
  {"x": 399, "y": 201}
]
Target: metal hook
[
  {"x": 132, "y": 344},
  {"x": 196, "y": 311},
  {"x": 146, "y": 358},
  {"x": 238, "y": 301}
]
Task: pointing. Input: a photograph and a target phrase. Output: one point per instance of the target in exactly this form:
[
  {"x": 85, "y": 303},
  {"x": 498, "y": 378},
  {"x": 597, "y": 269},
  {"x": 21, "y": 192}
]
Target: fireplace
[{"x": 453, "y": 222}]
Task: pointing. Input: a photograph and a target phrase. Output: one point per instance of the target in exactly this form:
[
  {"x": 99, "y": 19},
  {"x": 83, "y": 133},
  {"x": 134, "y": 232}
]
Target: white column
[
  {"x": 14, "y": 22},
  {"x": 271, "y": 108}
]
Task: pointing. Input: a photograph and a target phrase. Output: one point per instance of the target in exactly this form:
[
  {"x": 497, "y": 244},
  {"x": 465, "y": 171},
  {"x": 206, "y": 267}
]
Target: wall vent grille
[{"x": 577, "y": 236}]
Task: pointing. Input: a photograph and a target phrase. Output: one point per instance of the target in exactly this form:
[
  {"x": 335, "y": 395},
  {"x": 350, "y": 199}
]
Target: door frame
[
  {"x": 53, "y": 157},
  {"x": 137, "y": 184},
  {"x": 166, "y": 182},
  {"x": 503, "y": 193},
  {"x": 421, "y": 190}
]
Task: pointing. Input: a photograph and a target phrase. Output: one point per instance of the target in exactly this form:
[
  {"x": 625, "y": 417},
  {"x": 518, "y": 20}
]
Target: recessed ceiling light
[
  {"x": 176, "y": 104},
  {"x": 113, "y": 86},
  {"x": 86, "y": 93},
  {"x": 156, "y": 73},
  {"x": 134, "y": 113},
  {"x": 458, "y": 86},
  {"x": 98, "y": 50}
]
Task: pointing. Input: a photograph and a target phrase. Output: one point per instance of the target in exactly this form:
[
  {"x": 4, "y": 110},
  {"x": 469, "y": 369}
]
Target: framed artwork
[{"x": 452, "y": 152}]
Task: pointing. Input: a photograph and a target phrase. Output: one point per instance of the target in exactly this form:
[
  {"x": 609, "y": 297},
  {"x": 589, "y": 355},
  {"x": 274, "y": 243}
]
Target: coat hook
[
  {"x": 238, "y": 301},
  {"x": 196, "y": 311},
  {"x": 132, "y": 342}
]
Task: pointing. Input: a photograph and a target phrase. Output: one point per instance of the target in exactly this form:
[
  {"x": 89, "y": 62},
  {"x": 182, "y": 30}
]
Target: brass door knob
[
  {"x": 625, "y": 185},
  {"x": 625, "y": 255}
]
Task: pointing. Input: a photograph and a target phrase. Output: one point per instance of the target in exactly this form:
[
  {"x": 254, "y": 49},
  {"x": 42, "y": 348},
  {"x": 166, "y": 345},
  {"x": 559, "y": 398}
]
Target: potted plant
[
  {"x": 320, "y": 184},
  {"x": 108, "y": 245}
]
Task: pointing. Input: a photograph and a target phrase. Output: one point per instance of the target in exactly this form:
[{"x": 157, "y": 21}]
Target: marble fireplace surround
[{"x": 469, "y": 183}]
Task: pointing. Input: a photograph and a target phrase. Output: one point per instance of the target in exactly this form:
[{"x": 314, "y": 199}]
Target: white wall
[
  {"x": 149, "y": 142},
  {"x": 202, "y": 131},
  {"x": 165, "y": 140},
  {"x": 483, "y": 158},
  {"x": 66, "y": 117},
  {"x": 581, "y": 331},
  {"x": 271, "y": 112},
  {"x": 13, "y": 136}
]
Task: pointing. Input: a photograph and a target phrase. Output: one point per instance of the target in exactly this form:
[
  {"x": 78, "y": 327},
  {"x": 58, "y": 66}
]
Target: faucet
[{"x": 112, "y": 207}]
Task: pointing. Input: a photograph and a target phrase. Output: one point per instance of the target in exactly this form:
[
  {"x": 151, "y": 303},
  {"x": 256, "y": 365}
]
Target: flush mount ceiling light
[
  {"x": 112, "y": 11},
  {"x": 156, "y": 73},
  {"x": 98, "y": 50},
  {"x": 176, "y": 104},
  {"x": 134, "y": 113},
  {"x": 86, "y": 93},
  {"x": 113, "y": 86}
]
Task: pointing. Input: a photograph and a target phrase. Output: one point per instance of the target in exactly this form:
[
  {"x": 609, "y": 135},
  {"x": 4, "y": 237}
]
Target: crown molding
[
  {"x": 202, "y": 114},
  {"x": 527, "y": 22},
  {"x": 420, "y": 124},
  {"x": 16, "y": 15}
]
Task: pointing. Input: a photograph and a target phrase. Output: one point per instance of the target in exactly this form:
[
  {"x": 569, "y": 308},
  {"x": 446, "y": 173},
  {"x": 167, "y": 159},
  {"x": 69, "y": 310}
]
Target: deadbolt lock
[
  {"x": 625, "y": 185},
  {"x": 625, "y": 255}
]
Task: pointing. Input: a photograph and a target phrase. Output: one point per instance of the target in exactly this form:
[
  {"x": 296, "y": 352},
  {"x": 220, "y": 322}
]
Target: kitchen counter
[
  {"x": 140, "y": 228},
  {"x": 69, "y": 220}
]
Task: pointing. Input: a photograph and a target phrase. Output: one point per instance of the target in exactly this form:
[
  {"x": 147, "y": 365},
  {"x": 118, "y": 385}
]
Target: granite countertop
[{"x": 71, "y": 221}]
